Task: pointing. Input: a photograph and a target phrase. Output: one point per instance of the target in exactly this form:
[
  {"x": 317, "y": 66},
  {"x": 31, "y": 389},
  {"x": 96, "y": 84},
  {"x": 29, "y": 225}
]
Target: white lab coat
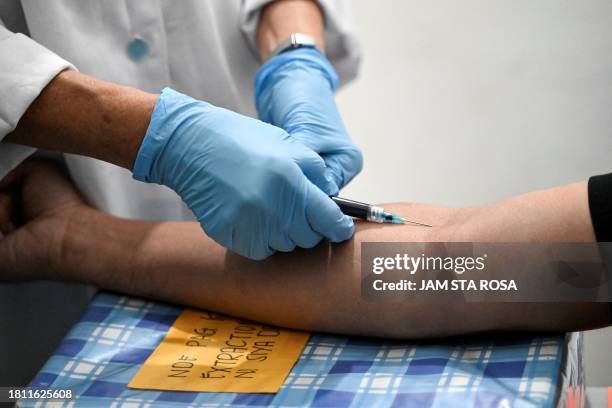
[{"x": 204, "y": 48}]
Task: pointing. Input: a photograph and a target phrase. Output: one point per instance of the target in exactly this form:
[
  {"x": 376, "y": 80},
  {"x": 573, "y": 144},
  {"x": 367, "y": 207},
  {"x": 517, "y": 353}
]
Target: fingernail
[
  {"x": 332, "y": 188},
  {"x": 346, "y": 229},
  {"x": 350, "y": 225}
]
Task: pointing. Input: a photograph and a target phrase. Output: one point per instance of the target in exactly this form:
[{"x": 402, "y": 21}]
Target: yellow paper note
[{"x": 209, "y": 352}]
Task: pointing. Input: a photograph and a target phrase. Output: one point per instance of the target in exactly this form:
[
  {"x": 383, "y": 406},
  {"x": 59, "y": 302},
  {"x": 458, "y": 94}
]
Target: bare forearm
[
  {"x": 79, "y": 114},
  {"x": 320, "y": 289},
  {"x": 559, "y": 214},
  {"x": 282, "y": 18},
  {"x": 316, "y": 289}
]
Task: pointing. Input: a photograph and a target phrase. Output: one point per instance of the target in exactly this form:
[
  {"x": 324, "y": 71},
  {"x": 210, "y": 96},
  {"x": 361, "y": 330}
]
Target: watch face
[
  {"x": 302, "y": 39},
  {"x": 297, "y": 40}
]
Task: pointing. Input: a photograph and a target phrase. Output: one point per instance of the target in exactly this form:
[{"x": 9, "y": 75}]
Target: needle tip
[{"x": 417, "y": 223}]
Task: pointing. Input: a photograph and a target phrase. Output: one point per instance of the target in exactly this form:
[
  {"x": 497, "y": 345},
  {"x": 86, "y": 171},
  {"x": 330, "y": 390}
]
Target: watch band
[{"x": 296, "y": 40}]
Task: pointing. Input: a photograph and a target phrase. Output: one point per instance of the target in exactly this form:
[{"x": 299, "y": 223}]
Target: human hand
[
  {"x": 245, "y": 180},
  {"x": 295, "y": 91},
  {"x": 37, "y": 205}
]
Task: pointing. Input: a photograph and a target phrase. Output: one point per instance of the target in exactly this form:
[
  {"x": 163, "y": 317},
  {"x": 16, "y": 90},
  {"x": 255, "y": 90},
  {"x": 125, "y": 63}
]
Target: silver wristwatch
[{"x": 296, "y": 40}]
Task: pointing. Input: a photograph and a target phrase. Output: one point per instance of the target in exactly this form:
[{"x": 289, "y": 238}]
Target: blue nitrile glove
[
  {"x": 243, "y": 178},
  {"x": 295, "y": 91}
]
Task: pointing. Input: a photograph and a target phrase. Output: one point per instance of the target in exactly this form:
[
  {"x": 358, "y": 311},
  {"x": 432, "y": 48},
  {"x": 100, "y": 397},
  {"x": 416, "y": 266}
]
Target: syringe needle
[
  {"x": 398, "y": 219},
  {"x": 416, "y": 223}
]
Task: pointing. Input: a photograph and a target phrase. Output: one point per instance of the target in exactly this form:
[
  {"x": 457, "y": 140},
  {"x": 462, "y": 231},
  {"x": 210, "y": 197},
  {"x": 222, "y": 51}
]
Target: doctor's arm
[
  {"x": 77, "y": 113},
  {"x": 294, "y": 87},
  {"x": 243, "y": 166},
  {"x": 317, "y": 289},
  {"x": 280, "y": 19}
]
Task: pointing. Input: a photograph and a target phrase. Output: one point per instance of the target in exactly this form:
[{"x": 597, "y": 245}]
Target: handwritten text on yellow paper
[{"x": 209, "y": 352}]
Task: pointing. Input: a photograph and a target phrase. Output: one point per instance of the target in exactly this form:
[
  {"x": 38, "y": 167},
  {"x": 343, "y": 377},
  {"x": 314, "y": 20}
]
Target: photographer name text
[{"x": 418, "y": 264}]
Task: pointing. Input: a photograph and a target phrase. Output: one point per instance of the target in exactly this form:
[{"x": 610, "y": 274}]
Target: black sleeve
[{"x": 600, "y": 206}]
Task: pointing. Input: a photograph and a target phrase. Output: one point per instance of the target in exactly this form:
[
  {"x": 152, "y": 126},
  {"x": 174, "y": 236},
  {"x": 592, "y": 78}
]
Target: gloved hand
[
  {"x": 295, "y": 91},
  {"x": 243, "y": 179}
]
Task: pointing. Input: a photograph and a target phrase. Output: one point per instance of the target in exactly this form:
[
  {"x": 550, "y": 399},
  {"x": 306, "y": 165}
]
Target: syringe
[{"x": 371, "y": 212}]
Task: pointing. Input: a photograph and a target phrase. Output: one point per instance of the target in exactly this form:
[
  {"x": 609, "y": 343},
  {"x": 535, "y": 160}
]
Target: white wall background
[{"x": 463, "y": 103}]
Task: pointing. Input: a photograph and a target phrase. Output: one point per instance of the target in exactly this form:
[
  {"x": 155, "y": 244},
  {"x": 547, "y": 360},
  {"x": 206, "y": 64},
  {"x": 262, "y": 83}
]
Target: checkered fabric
[{"x": 116, "y": 334}]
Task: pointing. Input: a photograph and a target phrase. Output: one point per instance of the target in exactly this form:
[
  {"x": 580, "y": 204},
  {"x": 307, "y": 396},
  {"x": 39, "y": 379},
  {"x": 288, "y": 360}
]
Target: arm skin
[
  {"x": 316, "y": 289},
  {"x": 282, "y": 18},
  {"x": 90, "y": 115}
]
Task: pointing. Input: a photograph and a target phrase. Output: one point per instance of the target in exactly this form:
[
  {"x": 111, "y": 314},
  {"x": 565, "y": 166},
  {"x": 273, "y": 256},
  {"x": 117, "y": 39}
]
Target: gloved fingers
[
  {"x": 280, "y": 241},
  {"x": 314, "y": 168},
  {"x": 344, "y": 165},
  {"x": 300, "y": 230},
  {"x": 309, "y": 139},
  {"x": 244, "y": 244},
  {"x": 304, "y": 236},
  {"x": 254, "y": 245},
  {"x": 256, "y": 249},
  {"x": 343, "y": 160},
  {"x": 325, "y": 217}
]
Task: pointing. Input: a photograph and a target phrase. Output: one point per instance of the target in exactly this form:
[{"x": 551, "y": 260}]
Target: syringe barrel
[{"x": 353, "y": 208}]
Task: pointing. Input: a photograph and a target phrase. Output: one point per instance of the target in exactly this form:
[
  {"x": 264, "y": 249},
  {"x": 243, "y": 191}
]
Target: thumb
[
  {"x": 326, "y": 218},
  {"x": 314, "y": 168},
  {"x": 344, "y": 165},
  {"x": 343, "y": 159}
]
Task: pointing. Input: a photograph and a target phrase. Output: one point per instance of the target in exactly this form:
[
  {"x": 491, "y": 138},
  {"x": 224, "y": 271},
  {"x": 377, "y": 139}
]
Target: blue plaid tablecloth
[{"x": 116, "y": 335}]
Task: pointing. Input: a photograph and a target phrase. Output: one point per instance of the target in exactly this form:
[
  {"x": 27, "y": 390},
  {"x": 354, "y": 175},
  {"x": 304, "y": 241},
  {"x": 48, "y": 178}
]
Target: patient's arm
[{"x": 317, "y": 289}]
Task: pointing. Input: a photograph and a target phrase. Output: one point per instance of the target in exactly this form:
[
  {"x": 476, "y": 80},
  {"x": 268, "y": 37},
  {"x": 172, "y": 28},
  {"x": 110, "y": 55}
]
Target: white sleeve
[
  {"x": 25, "y": 69},
  {"x": 341, "y": 44}
]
